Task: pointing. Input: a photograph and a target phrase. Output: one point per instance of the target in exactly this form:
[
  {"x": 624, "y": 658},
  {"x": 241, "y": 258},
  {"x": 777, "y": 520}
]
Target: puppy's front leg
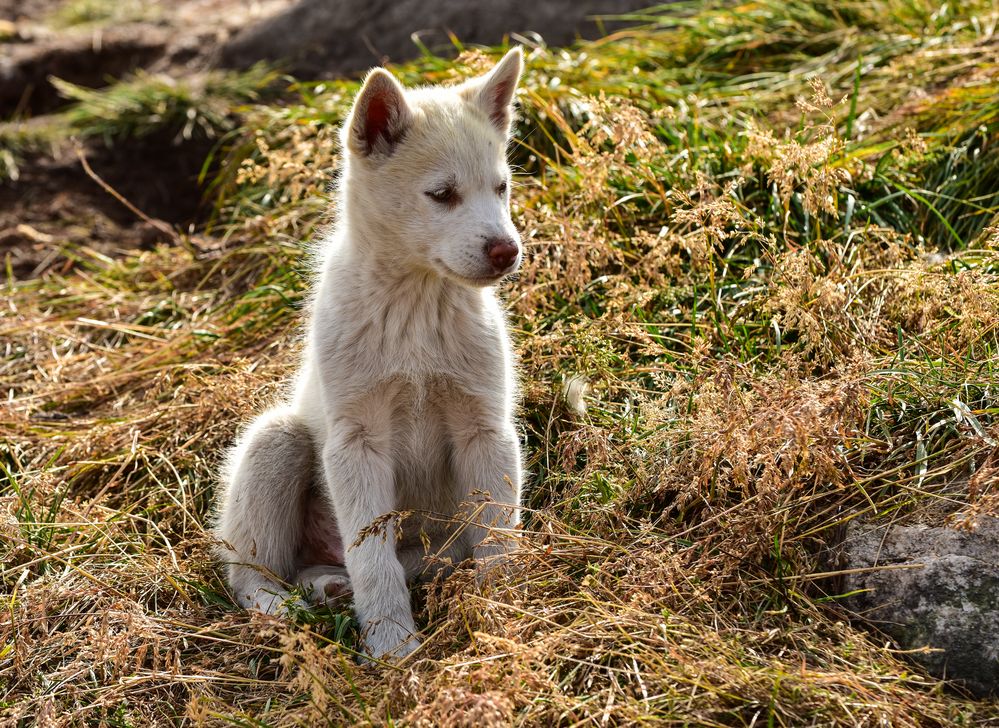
[
  {"x": 359, "y": 473},
  {"x": 487, "y": 467}
]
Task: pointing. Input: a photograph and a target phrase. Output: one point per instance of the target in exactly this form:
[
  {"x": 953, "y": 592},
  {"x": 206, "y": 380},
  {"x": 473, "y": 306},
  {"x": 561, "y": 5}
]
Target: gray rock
[
  {"x": 932, "y": 587},
  {"x": 321, "y": 38}
]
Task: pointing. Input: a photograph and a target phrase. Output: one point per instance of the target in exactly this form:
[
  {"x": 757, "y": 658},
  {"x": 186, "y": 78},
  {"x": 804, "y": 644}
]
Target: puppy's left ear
[{"x": 493, "y": 93}]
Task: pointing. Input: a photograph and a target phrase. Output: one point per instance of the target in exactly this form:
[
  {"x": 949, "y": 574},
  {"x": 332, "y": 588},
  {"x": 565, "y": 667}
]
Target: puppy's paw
[
  {"x": 277, "y": 603},
  {"x": 334, "y": 588},
  {"x": 387, "y": 639},
  {"x": 326, "y": 585}
]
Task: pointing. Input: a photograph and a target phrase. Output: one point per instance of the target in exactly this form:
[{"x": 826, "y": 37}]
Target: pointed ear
[
  {"x": 380, "y": 116},
  {"x": 493, "y": 93}
]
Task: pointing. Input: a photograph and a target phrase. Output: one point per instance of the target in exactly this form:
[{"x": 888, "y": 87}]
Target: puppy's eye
[
  {"x": 443, "y": 195},
  {"x": 501, "y": 188}
]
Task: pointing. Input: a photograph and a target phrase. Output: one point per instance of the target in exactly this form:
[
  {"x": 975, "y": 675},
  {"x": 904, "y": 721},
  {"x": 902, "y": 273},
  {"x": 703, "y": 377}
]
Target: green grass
[
  {"x": 90, "y": 13},
  {"x": 19, "y": 140},
  {"x": 204, "y": 105},
  {"x": 765, "y": 238}
]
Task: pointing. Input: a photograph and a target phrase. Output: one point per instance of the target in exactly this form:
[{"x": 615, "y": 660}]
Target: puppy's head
[{"x": 427, "y": 182}]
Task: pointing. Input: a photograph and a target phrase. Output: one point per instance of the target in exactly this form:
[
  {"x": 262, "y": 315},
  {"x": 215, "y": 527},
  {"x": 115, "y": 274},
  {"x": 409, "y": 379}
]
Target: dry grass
[{"x": 763, "y": 260}]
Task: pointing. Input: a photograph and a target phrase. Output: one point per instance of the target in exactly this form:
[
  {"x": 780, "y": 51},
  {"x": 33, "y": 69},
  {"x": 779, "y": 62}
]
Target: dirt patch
[
  {"x": 17, "y": 10},
  {"x": 168, "y": 37},
  {"x": 55, "y": 206},
  {"x": 87, "y": 59},
  {"x": 54, "y": 209}
]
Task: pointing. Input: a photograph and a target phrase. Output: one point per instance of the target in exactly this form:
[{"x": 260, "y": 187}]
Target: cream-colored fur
[{"x": 404, "y": 400}]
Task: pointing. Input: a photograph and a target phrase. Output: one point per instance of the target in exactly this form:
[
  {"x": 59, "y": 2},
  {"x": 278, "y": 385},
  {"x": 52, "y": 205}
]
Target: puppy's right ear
[{"x": 380, "y": 116}]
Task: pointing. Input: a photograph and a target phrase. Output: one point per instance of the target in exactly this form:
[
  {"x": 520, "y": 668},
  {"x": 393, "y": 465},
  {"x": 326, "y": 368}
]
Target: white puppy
[{"x": 404, "y": 400}]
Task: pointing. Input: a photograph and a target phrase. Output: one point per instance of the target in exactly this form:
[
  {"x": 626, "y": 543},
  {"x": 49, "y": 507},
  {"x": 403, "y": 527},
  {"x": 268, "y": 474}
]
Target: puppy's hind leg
[{"x": 266, "y": 480}]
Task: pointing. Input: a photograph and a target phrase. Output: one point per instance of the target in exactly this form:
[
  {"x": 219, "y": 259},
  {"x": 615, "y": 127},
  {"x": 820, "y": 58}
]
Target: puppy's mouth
[{"x": 481, "y": 280}]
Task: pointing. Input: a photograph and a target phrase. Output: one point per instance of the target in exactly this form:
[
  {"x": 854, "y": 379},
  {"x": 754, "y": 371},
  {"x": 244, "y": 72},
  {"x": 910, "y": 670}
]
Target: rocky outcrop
[
  {"x": 932, "y": 587},
  {"x": 324, "y": 38}
]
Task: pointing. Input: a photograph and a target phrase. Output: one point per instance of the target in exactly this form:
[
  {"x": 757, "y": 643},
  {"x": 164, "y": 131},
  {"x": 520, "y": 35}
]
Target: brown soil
[
  {"x": 21, "y": 10},
  {"x": 56, "y": 207}
]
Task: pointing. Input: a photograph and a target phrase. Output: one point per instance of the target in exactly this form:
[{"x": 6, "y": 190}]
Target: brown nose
[{"x": 502, "y": 253}]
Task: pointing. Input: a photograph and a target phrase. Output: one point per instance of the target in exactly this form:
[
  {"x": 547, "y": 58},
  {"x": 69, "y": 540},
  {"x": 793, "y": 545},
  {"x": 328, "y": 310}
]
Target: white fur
[{"x": 405, "y": 396}]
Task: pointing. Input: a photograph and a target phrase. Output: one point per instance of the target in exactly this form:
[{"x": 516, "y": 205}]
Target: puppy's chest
[
  {"x": 422, "y": 408},
  {"x": 422, "y": 440}
]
